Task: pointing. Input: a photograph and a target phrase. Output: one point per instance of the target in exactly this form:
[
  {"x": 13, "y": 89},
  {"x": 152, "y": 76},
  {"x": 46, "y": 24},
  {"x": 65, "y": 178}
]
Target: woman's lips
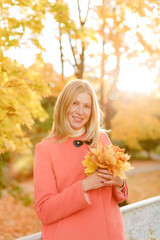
[{"x": 77, "y": 119}]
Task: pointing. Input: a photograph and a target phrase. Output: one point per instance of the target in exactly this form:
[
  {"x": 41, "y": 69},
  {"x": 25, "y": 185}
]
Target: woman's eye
[{"x": 88, "y": 106}]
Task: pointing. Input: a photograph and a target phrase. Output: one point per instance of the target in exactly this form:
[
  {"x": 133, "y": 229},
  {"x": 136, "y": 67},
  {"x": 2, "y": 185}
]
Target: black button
[
  {"x": 88, "y": 142},
  {"x": 78, "y": 143}
]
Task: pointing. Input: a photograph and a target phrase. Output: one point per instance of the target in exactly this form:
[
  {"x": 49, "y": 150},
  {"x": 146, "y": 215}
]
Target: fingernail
[{"x": 99, "y": 174}]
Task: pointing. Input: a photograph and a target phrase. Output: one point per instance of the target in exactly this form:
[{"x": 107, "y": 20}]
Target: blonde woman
[{"x": 70, "y": 205}]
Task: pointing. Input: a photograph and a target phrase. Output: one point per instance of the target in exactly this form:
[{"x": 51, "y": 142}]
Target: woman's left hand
[{"x": 109, "y": 179}]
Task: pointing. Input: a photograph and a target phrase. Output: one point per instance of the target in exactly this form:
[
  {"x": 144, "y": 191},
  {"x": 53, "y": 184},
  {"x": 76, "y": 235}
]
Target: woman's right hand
[{"x": 95, "y": 180}]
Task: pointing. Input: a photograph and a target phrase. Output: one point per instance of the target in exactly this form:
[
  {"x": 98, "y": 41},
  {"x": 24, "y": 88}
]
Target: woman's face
[{"x": 80, "y": 111}]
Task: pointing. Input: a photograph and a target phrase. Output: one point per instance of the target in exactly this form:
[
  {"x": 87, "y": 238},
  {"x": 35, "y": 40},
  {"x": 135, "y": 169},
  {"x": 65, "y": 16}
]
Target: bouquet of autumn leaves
[{"x": 110, "y": 157}]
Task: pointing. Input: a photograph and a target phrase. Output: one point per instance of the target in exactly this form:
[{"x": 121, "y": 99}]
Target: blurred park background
[{"x": 113, "y": 44}]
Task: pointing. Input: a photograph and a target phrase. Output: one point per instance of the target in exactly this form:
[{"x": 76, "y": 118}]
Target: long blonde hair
[{"x": 61, "y": 129}]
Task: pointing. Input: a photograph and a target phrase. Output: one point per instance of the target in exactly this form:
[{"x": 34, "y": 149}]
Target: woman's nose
[{"x": 80, "y": 109}]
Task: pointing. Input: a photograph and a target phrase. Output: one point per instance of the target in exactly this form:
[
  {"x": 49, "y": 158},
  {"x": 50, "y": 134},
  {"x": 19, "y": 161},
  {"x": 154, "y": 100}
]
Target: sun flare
[{"x": 136, "y": 79}]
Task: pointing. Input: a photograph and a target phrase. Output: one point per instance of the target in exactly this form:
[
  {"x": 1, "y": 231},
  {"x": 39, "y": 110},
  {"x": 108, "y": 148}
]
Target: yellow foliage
[
  {"x": 21, "y": 89},
  {"x": 20, "y": 104},
  {"x": 110, "y": 157},
  {"x": 136, "y": 119}
]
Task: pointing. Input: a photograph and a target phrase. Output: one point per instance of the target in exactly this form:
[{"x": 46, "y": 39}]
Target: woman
[{"x": 70, "y": 205}]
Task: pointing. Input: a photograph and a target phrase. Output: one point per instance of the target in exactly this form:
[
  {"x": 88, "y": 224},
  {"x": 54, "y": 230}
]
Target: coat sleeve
[
  {"x": 51, "y": 205},
  {"x": 120, "y": 195}
]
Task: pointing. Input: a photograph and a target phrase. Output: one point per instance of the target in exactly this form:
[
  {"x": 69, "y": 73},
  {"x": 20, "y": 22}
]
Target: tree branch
[
  {"x": 87, "y": 12},
  {"x": 79, "y": 11},
  {"x": 76, "y": 64}
]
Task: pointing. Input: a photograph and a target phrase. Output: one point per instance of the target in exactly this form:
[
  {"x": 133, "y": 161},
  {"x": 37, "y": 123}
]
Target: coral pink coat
[{"x": 59, "y": 198}]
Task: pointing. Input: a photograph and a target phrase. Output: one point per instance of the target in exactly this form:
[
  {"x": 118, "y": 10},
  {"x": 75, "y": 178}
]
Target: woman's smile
[{"x": 77, "y": 119}]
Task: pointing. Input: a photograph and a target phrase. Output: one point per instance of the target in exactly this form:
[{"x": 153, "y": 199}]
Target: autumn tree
[
  {"x": 56, "y": 84},
  {"x": 73, "y": 34},
  {"x": 123, "y": 28},
  {"x": 21, "y": 90},
  {"x": 137, "y": 121}
]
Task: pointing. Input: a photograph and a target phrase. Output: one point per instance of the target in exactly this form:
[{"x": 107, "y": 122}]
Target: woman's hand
[{"x": 101, "y": 178}]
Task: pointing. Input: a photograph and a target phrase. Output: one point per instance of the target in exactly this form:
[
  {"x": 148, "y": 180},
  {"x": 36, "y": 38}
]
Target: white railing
[
  {"x": 141, "y": 220},
  {"x": 36, "y": 236}
]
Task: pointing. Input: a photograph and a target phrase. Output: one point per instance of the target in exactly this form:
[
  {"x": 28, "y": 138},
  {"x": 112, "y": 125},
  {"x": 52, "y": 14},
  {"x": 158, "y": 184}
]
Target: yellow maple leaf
[
  {"x": 109, "y": 157},
  {"x": 89, "y": 164}
]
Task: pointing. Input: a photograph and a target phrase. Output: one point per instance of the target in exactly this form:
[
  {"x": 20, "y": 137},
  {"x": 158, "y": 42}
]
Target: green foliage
[
  {"x": 140, "y": 156},
  {"x": 46, "y": 126},
  {"x": 18, "y": 194},
  {"x": 149, "y": 144},
  {"x": 21, "y": 165},
  {"x": 158, "y": 149},
  {"x": 9, "y": 183},
  {"x": 4, "y": 176}
]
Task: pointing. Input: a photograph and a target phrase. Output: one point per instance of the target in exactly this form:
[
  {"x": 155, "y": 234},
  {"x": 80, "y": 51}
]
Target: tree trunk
[
  {"x": 61, "y": 53},
  {"x": 112, "y": 95},
  {"x": 80, "y": 70},
  {"x": 102, "y": 77}
]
